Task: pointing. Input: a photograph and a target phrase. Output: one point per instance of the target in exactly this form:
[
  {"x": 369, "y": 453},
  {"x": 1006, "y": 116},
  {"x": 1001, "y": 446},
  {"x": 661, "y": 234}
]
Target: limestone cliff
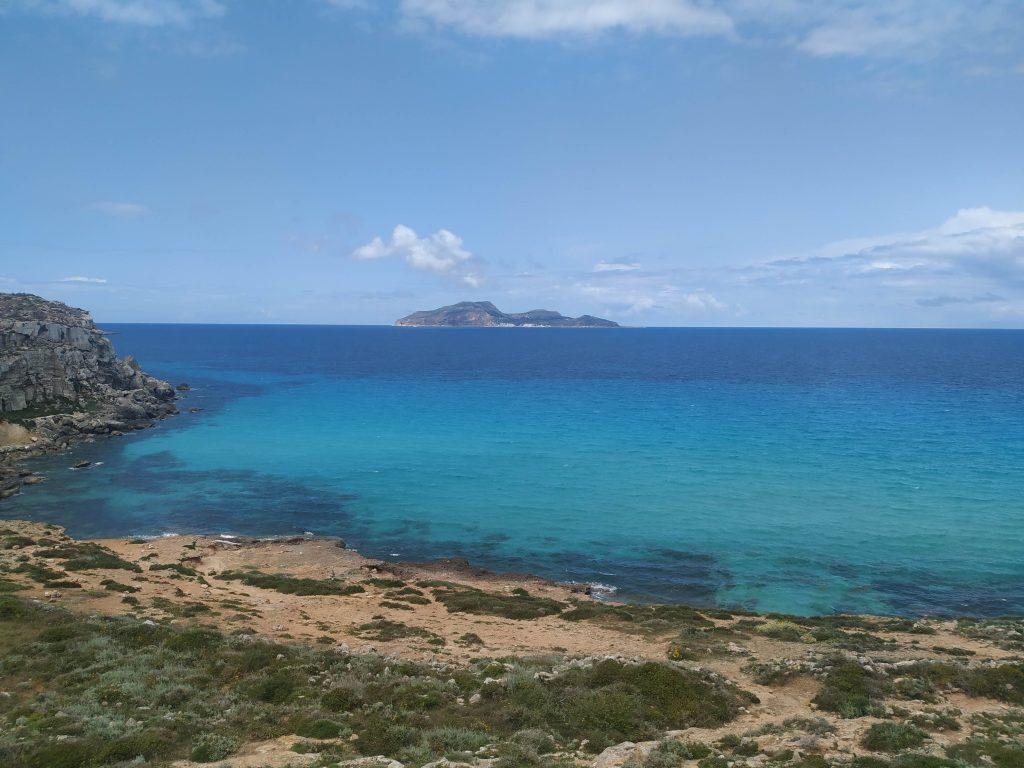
[{"x": 60, "y": 378}]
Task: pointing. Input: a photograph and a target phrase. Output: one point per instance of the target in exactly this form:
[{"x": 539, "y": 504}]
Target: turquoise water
[{"x": 791, "y": 470}]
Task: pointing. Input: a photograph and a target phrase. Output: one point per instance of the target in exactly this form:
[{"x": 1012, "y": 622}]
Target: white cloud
[
  {"x": 84, "y": 280},
  {"x": 820, "y": 28},
  {"x": 119, "y": 209},
  {"x": 549, "y": 18},
  {"x": 966, "y": 270},
  {"x": 879, "y": 28},
  {"x": 972, "y": 264},
  {"x": 703, "y": 300},
  {"x": 441, "y": 253},
  {"x": 616, "y": 266},
  {"x": 634, "y": 295},
  {"x": 141, "y": 13}
]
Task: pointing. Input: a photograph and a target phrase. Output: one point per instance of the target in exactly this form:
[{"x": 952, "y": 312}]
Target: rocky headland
[
  {"x": 61, "y": 383},
  {"x": 483, "y": 314}
]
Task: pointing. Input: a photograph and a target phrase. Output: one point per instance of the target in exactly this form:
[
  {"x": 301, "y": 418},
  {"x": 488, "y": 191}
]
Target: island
[{"x": 483, "y": 314}]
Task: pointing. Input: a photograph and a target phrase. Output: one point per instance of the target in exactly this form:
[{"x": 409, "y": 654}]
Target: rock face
[
  {"x": 485, "y": 314},
  {"x": 60, "y": 378}
]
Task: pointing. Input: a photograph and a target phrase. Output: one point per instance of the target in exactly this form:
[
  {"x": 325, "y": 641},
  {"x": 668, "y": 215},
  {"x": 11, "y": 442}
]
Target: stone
[
  {"x": 620, "y": 754},
  {"x": 370, "y": 762}
]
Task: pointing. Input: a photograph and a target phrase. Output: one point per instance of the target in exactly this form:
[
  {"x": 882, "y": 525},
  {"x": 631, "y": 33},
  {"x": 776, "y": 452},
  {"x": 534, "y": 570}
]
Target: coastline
[
  {"x": 62, "y": 384},
  {"x": 314, "y": 593}
]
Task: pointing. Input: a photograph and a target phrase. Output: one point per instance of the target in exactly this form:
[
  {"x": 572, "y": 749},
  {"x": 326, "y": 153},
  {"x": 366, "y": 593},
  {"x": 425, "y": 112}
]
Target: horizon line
[{"x": 584, "y": 328}]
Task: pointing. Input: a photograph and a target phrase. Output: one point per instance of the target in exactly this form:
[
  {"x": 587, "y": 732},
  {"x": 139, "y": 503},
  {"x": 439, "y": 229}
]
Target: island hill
[{"x": 484, "y": 314}]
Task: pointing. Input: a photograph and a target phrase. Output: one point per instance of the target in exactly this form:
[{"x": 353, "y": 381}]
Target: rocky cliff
[
  {"x": 485, "y": 314},
  {"x": 61, "y": 381}
]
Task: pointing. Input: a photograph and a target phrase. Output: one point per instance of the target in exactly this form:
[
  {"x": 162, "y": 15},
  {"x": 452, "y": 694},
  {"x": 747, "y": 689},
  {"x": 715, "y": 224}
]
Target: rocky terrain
[
  {"x": 242, "y": 653},
  {"x": 61, "y": 382},
  {"x": 485, "y": 314}
]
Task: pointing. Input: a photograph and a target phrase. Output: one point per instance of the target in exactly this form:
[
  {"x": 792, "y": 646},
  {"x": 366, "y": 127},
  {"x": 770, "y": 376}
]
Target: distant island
[{"x": 485, "y": 315}]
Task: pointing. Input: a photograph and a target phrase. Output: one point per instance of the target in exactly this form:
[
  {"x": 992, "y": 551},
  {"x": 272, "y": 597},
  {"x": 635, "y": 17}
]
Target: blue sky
[{"x": 659, "y": 162}]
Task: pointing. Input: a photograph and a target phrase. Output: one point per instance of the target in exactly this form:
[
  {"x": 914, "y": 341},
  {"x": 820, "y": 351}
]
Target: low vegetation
[
  {"x": 849, "y": 690},
  {"x": 893, "y": 737},
  {"x": 96, "y": 691},
  {"x": 291, "y": 585},
  {"x": 384, "y": 630},
  {"x": 87, "y": 556},
  {"x": 459, "y": 598}
]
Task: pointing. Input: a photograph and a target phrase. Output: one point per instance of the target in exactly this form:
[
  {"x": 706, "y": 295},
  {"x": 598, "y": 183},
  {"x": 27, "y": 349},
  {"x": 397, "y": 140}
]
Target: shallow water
[{"x": 805, "y": 471}]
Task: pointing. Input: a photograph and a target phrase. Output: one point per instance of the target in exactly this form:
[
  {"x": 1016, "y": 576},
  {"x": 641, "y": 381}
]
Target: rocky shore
[{"x": 61, "y": 383}]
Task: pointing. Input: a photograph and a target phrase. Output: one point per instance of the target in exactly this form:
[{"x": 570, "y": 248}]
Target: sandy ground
[
  {"x": 13, "y": 434},
  {"x": 312, "y": 619}
]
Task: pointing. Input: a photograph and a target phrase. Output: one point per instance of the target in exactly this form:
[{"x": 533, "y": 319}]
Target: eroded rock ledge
[{"x": 61, "y": 382}]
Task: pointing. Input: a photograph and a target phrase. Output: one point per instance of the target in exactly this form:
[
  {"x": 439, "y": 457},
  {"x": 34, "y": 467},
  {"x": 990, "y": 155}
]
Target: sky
[{"x": 657, "y": 162}]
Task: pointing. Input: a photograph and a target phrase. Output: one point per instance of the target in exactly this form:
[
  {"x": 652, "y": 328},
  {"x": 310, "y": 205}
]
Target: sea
[{"x": 803, "y": 471}]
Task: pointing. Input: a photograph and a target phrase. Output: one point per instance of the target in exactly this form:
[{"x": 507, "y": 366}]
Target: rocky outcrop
[
  {"x": 485, "y": 314},
  {"x": 61, "y": 380}
]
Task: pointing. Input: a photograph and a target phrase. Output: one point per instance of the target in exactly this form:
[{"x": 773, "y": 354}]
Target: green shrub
[
  {"x": 446, "y": 740},
  {"x": 178, "y": 568},
  {"x": 6, "y": 586},
  {"x": 893, "y": 737},
  {"x": 341, "y": 699},
  {"x": 648, "y": 618},
  {"x": 211, "y": 747},
  {"x": 317, "y": 729},
  {"x": 916, "y": 760},
  {"x": 39, "y": 572},
  {"x": 670, "y": 753},
  {"x": 116, "y": 586},
  {"x": 983, "y": 751},
  {"x": 16, "y": 542},
  {"x": 276, "y": 688},
  {"x": 194, "y": 640},
  {"x": 186, "y": 609},
  {"x": 849, "y": 690},
  {"x": 291, "y": 585},
  {"x": 537, "y": 739},
  {"x": 780, "y": 630},
  {"x": 382, "y": 732},
  {"x": 62, "y": 584},
  {"x": 59, "y": 633},
  {"x": 1002, "y": 683},
  {"x": 462, "y": 599},
  {"x": 515, "y": 755},
  {"x": 12, "y": 608},
  {"x": 384, "y": 630},
  {"x": 87, "y": 556},
  {"x": 385, "y": 583}
]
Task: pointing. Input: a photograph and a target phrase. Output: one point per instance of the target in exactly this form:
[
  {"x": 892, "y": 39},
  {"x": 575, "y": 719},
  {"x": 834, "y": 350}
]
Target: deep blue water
[{"x": 805, "y": 471}]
